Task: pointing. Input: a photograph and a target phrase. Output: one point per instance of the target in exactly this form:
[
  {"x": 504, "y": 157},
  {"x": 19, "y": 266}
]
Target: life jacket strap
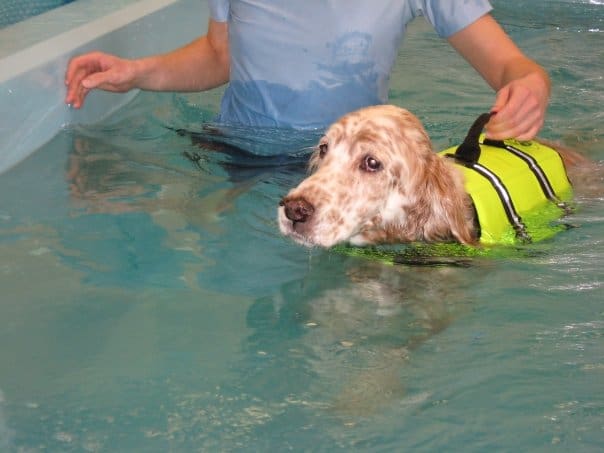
[{"x": 469, "y": 150}]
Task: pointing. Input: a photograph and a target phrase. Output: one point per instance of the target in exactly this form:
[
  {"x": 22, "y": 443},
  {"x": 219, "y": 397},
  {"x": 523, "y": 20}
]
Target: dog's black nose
[{"x": 297, "y": 209}]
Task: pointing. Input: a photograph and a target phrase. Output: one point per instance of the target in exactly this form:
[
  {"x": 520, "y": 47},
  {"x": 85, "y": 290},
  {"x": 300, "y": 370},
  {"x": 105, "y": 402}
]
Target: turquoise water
[{"x": 150, "y": 304}]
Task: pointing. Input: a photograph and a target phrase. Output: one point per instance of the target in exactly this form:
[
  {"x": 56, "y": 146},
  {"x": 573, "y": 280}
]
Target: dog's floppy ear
[
  {"x": 450, "y": 205},
  {"x": 462, "y": 229}
]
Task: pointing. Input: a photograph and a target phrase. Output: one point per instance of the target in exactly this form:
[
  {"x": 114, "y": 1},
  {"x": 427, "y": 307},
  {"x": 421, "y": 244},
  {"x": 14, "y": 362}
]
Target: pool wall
[{"x": 34, "y": 54}]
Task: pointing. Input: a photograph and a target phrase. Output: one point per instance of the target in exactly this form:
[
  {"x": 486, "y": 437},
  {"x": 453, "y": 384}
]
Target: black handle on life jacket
[{"x": 469, "y": 150}]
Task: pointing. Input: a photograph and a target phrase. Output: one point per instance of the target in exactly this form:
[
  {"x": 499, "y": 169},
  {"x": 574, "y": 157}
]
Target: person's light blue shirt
[{"x": 303, "y": 64}]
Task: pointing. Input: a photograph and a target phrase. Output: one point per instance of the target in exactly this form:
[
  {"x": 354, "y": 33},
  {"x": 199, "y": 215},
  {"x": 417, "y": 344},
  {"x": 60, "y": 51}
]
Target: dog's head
[{"x": 375, "y": 179}]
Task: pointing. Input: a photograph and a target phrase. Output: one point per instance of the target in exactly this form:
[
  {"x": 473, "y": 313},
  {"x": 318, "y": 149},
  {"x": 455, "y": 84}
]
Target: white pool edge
[{"x": 32, "y": 90}]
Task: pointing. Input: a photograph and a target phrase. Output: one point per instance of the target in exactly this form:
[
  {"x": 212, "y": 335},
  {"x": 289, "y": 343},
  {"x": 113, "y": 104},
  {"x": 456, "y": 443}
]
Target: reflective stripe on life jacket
[{"x": 518, "y": 189}]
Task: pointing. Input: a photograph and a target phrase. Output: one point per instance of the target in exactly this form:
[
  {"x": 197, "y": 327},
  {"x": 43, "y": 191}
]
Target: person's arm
[
  {"x": 523, "y": 87},
  {"x": 201, "y": 65}
]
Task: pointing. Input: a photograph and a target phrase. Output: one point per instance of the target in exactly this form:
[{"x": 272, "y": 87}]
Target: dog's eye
[
  {"x": 370, "y": 164},
  {"x": 322, "y": 149}
]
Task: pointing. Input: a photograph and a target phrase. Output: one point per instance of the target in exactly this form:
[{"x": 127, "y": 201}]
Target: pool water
[{"x": 149, "y": 302}]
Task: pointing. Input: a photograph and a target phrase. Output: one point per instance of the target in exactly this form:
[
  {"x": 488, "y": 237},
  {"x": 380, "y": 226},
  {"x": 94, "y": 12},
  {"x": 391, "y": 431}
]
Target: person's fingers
[
  {"x": 78, "y": 69},
  {"x": 497, "y": 127},
  {"x": 73, "y": 67},
  {"x": 523, "y": 127},
  {"x": 90, "y": 71},
  {"x": 501, "y": 99},
  {"x": 499, "y": 121},
  {"x": 113, "y": 75},
  {"x": 517, "y": 114},
  {"x": 81, "y": 95},
  {"x": 97, "y": 80},
  {"x": 74, "y": 91},
  {"x": 81, "y": 66},
  {"x": 531, "y": 130}
]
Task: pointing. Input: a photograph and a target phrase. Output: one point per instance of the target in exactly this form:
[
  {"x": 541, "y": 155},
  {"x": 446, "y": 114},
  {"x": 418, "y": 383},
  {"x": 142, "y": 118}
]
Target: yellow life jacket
[{"x": 518, "y": 189}]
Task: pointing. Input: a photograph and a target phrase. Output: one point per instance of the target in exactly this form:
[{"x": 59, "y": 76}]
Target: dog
[{"x": 375, "y": 179}]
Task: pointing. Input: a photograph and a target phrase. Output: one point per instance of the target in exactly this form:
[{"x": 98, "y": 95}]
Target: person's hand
[
  {"x": 519, "y": 109},
  {"x": 97, "y": 70}
]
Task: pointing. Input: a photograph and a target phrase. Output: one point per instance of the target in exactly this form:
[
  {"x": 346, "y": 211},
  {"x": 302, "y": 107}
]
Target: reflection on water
[
  {"x": 356, "y": 331},
  {"x": 149, "y": 302}
]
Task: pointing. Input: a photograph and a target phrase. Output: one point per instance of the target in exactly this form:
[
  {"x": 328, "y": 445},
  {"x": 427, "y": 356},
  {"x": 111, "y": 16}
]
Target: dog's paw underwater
[{"x": 375, "y": 179}]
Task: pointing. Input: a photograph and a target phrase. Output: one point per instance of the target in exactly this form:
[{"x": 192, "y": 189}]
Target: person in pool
[{"x": 304, "y": 64}]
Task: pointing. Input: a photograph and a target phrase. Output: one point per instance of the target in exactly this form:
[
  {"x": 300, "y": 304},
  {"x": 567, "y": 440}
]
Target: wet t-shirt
[{"x": 303, "y": 64}]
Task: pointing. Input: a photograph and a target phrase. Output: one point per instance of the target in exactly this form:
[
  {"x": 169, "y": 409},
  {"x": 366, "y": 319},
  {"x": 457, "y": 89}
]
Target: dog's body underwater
[{"x": 376, "y": 179}]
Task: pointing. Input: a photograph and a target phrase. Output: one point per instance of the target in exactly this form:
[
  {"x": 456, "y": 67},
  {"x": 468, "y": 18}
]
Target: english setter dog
[{"x": 375, "y": 178}]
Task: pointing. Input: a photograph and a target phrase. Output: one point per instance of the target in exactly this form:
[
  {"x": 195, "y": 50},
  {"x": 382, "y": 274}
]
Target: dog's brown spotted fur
[{"x": 375, "y": 179}]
